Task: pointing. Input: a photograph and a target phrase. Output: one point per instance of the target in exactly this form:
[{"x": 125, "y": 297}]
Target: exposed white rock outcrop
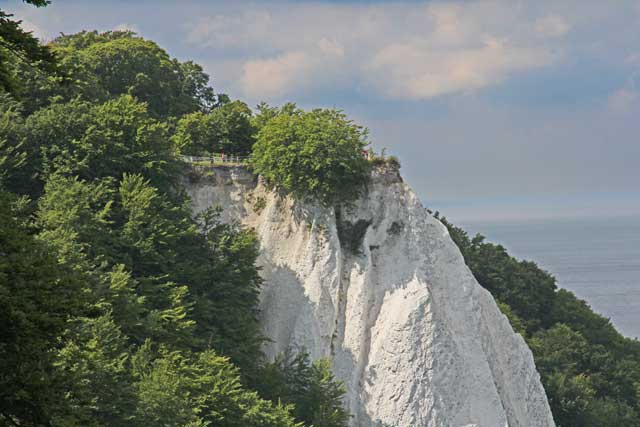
[{"x": 382, "y": 289}]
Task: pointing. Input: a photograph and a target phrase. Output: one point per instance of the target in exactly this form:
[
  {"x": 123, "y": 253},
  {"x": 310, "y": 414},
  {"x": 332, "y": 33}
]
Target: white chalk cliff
[{"x": 382, "y": 290}]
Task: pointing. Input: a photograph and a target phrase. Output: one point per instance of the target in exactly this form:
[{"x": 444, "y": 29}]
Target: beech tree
[
  {"x": 315, "y": 155},
  {"x": 37, "y": 298},
  {"x": 226, "y": 129},
  {"x": 101, "y": 66},
  {"x": 20, "y": 46},
  {"x": 315, "y": 393}
]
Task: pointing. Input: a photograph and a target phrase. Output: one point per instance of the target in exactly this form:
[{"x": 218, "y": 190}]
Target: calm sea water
[{"x": 596, "y": 258}]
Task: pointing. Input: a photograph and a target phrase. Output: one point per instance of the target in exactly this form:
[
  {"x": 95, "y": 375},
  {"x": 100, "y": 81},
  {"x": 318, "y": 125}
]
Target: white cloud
[
  {"x": 552, "y": 26},
  {"x": 623, "y": 100},
  {"x": 633, "y": 59},
  {"x": 273, "y": 77},
  {"x": 291, "y": 71},
  {"x": 627, "y": 98},
  {"x": 409, "y": 51},
  {"x": 222, "y": 31},
  {"x": 38, "y": 30},
  {"x": 33, "y": 28},
  {"x": 415, "y": 72},
  {"x": 331, "y": 47},
  {"x": 449, "y": 24}
]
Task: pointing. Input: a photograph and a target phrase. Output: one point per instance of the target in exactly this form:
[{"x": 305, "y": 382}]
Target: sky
[{"x": 498, "y": 110}]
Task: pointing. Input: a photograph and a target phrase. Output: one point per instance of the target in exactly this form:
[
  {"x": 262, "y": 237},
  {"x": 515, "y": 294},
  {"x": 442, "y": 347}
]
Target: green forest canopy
[{"x": 119, "y": 308}]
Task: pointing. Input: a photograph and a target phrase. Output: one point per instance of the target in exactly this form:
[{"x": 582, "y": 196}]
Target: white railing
[{"x": 216, "y": 158}]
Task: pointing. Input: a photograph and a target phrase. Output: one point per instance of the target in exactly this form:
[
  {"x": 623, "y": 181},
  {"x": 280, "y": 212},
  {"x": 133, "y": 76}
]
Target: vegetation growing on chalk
[
  {"x": 310, "y": 387},
  {"x": 382, "y": 160},
  {"x": 314, "y": 154}
]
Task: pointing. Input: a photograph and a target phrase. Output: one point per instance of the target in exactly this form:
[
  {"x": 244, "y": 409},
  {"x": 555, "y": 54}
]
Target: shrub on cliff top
[
  {"x": 226, "y": 129},
  {"x": 315, "y": 155}
]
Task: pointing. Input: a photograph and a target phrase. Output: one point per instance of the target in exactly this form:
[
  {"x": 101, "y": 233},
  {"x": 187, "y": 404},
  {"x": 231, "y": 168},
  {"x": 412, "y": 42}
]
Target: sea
[{"x": 597, "y": 258}]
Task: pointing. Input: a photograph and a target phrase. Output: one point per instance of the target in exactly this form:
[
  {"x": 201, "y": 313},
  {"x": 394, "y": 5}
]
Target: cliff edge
[{"x": 381, "y": 289}]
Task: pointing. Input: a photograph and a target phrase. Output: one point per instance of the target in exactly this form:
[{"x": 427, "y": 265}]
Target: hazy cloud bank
[{"x": 401, "y": 51}]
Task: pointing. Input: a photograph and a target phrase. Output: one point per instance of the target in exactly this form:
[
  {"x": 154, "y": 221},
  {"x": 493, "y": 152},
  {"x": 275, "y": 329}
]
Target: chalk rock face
[{"x": 382, "y": 290}]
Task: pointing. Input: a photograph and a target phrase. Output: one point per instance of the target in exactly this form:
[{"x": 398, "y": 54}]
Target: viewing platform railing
[
  {"x": 231, "y": 159},
  {"x": 216, "y": 159}
]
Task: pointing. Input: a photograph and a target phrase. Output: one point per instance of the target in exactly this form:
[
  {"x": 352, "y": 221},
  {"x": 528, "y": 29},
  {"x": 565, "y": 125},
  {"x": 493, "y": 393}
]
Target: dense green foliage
[
  {"x": 310, "y": 387},
  {"x": 37, "y": 295},
  {"x": 118, "y": 307},
  {"x": 226, "y": 129},
  {"x": 103, "y": 66},
  {"x": 590, "y": 372},
  {"x": 312, "y": 155},
  {"x": 20, "y": 46}
]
